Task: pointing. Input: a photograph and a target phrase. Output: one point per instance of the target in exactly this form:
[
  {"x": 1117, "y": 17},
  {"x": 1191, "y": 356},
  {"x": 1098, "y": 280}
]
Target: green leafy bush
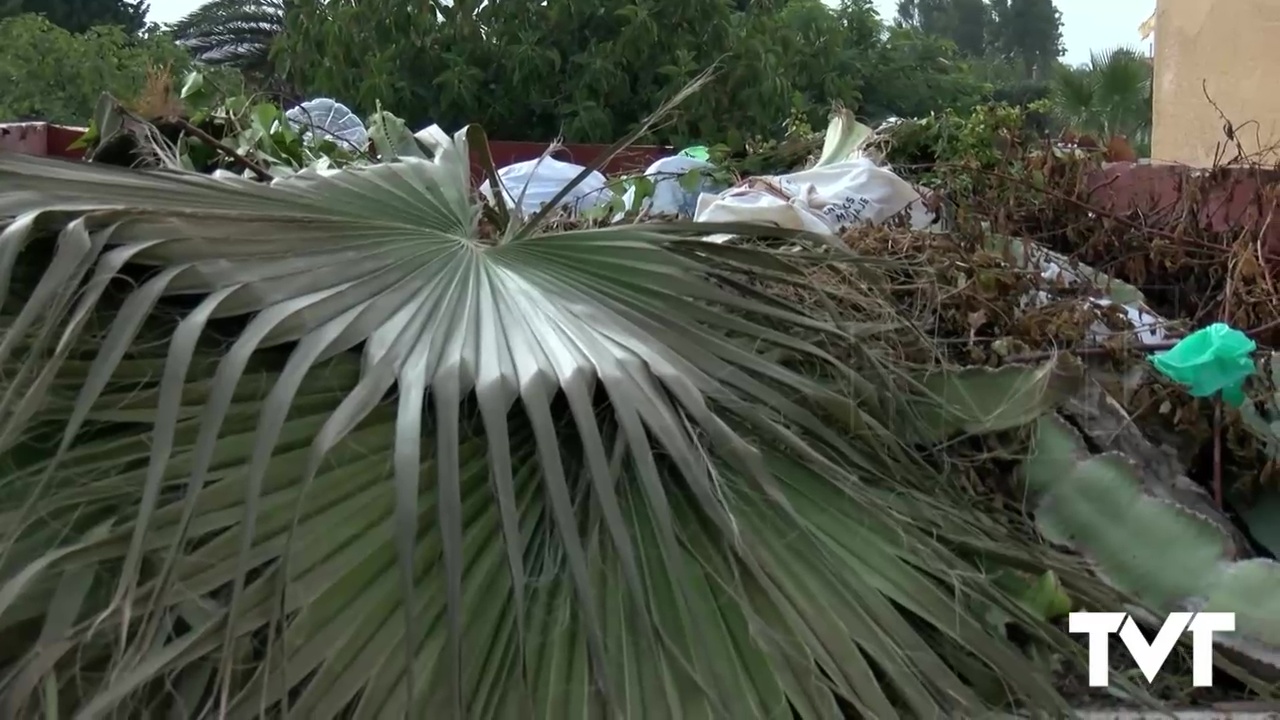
[
  {"x": 590, "y": 72},
  {"x": 78, "y": 16},
  {"x": 48, "y": 73}
]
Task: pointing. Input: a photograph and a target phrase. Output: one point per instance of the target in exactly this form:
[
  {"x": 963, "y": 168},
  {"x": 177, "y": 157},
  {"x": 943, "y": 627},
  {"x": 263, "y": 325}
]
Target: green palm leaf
[
  {"x": 1123, "y": 86},
  {"x": 233, "y": 32},
  {"x": 1109, "y": 96},
  {"x": 564, "y": 479},
  {"x": 1073, "y": 97}
]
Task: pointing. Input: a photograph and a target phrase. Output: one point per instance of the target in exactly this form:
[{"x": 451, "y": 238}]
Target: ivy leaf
[
  {"x": 1046, "y": 598},
  {"x": 644, "y": 189},
  {"x": 192, "y": 84},
  {"x": 691, "y": 181}
]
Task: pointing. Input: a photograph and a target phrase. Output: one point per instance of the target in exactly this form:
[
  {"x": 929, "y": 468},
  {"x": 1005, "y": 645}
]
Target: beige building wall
[{"x": 1230, "y": 47}]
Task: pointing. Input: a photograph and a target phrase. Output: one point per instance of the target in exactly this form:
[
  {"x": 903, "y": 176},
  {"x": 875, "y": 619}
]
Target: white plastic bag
[
  {"x": 669, "y": 194},
  {"x": 541, "y": 180},
  {"x": 328, "y": 119},
  {"x": 845, "y": 188},
  {"x": 828, "y": 199}
]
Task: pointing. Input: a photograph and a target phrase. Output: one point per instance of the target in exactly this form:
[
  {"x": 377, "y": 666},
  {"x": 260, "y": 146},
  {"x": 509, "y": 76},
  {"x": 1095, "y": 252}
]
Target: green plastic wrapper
[
  {"x": 697, "y": 152},
  {"x": 1217, "y": 358}
]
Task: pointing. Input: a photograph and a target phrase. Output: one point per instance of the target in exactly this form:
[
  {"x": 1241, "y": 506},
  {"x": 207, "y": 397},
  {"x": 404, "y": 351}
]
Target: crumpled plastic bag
[
  {"x": 540, "y": 180},
  {"x": 827, "y": 200},
  {"x": 1217, "y": 358},
  {"x": 845, "y": 188},
  {"x": 328, "y": 119}
]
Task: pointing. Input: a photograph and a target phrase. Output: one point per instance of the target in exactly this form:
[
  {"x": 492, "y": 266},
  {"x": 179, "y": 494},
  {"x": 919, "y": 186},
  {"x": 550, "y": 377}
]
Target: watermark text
[{"x": 1150, "y": 656}]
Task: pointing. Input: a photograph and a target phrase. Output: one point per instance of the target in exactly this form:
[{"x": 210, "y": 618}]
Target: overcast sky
[{"x": 1087, "y": 24}]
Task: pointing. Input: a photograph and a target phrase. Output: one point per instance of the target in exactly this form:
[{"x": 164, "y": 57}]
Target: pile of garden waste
[
  {"x": 1155, "y": 465},
  {"x": 316, "y": 413}
]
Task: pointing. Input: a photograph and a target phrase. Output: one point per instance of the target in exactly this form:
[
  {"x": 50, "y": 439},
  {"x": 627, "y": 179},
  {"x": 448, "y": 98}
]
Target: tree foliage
[
  {"x": 1028, "y": 32},
  {"x": 964, "y": 22},
  {"x": 77, "y": 16},
  {"x": 919, "y": 74},
  {"x": 590, "y": 71},
  {"x": 972, "y": 19},
  {"x": 103, "y": 59}
]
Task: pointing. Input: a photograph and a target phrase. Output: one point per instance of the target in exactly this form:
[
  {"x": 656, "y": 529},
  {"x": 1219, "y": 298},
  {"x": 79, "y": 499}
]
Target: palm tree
[
  {"x": 568, "y": 473},
  {"x": 1110, "y": 96},
  {"x": 238, "y": 33}
]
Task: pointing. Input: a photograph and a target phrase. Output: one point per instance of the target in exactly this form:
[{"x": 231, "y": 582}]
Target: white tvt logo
[{"x": 1150, "y": 656}]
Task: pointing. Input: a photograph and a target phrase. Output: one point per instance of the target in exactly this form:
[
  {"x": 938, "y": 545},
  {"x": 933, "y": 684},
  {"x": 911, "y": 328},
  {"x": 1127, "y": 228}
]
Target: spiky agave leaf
[{"x": 590, "y": 493}]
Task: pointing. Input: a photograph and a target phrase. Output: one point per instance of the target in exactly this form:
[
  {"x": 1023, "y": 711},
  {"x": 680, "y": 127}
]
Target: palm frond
[
  {"x": 232, "y": 32},
  {"x": 1122, "y": 77},
  {"x": 1073, "y": 98},
  {"x": 563, "y": 479},
  {"x": 1109, "y": 96}
]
